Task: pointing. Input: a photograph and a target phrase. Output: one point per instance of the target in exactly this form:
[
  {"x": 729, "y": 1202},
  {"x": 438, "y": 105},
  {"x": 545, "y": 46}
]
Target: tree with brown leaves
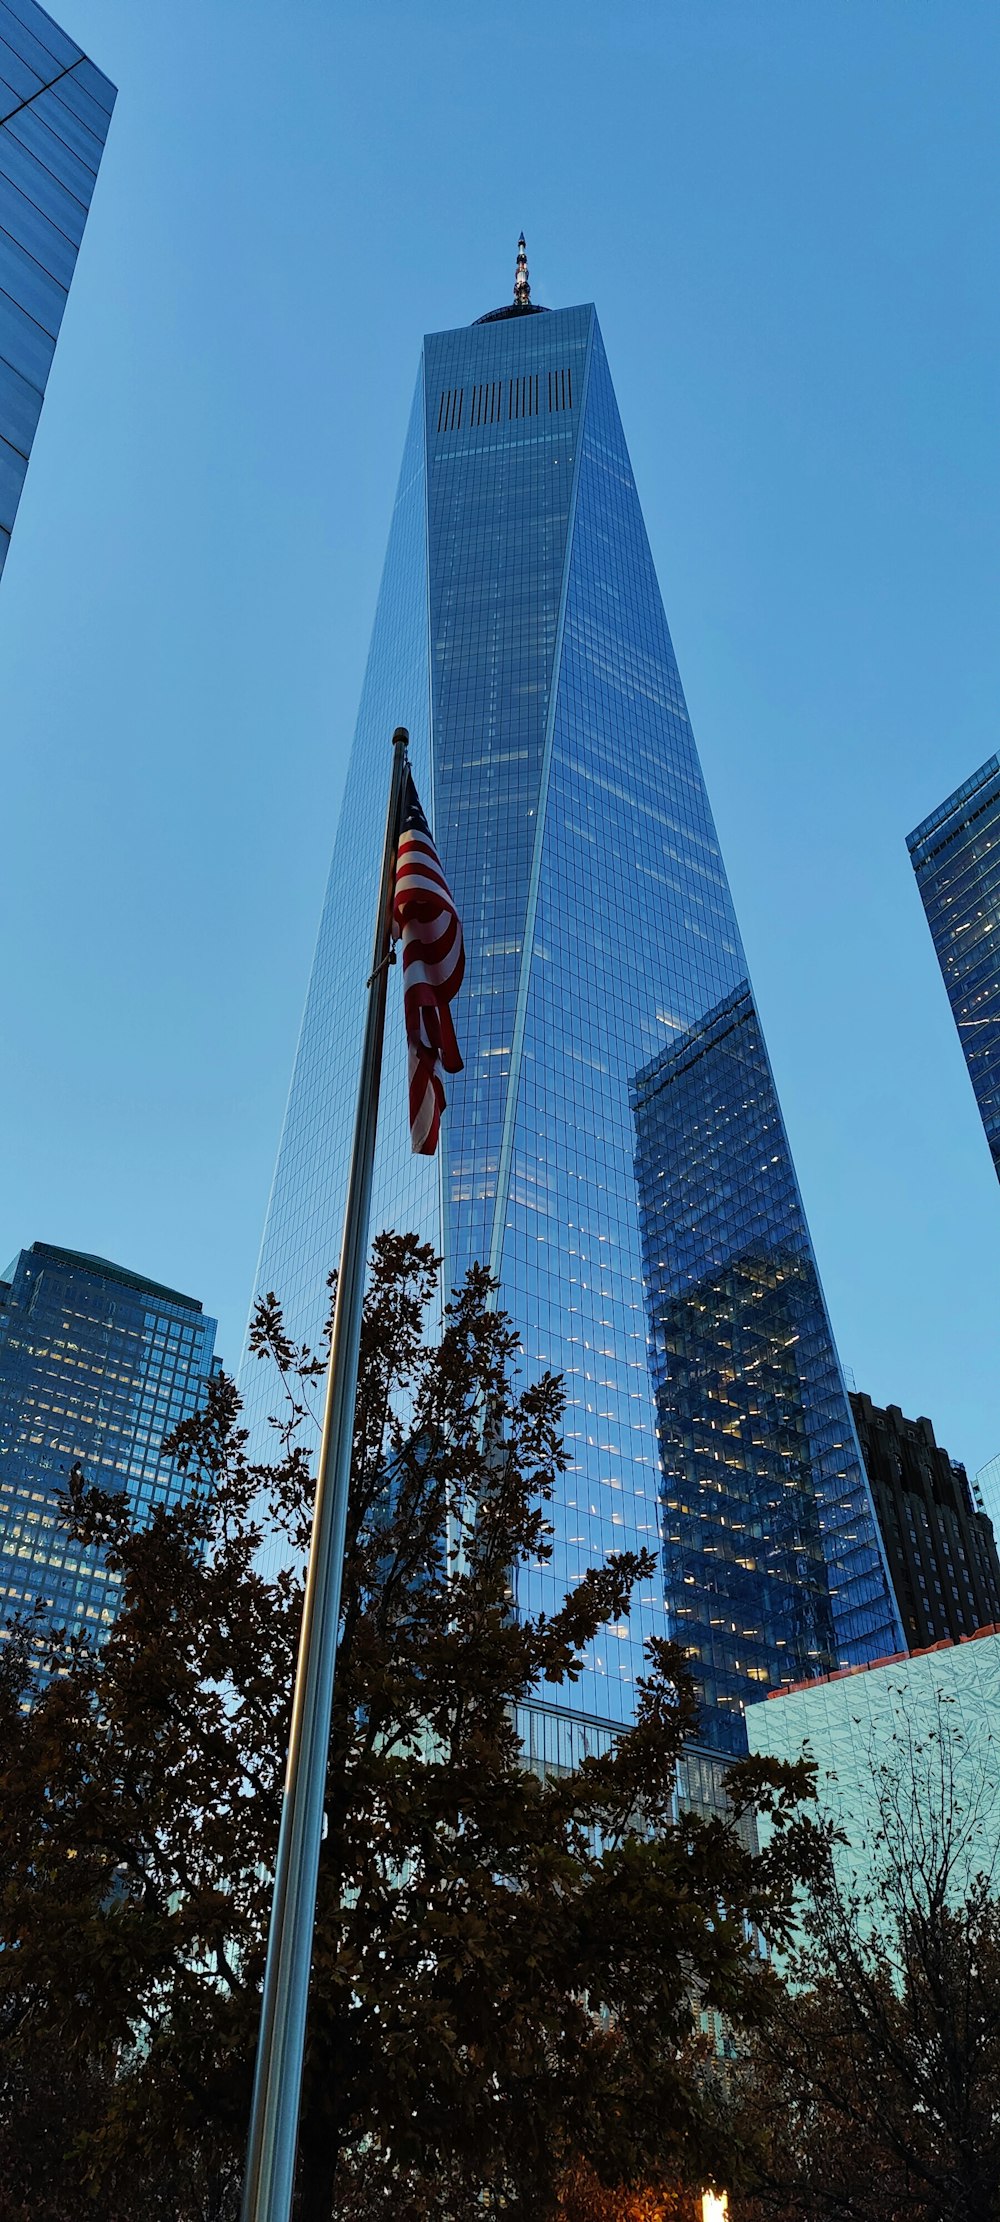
[{"x": 507, "y": 1969}]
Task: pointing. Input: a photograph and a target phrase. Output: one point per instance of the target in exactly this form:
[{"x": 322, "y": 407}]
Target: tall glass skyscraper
[
  {"x": 956, "y": 857},
  {"x": 55, "y": 108},
  {"x": 614, "y": 1148},
  {"x": 97, "y": 1366}
]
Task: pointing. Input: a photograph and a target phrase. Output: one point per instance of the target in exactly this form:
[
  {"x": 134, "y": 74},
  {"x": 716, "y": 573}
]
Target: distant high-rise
[
  {"x": 97, "y": 1366},
  {"x": 614, "y": 1149},
  {"x": 55, "y": 108},
  {"x": 939, "y": 1543},
  {"x": 956, "y": 857}
]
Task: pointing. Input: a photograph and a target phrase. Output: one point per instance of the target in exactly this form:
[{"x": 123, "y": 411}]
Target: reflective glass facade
[
  {"x": 895, "y": 1749},
  {"x": 986, "y": 1491},
  {"x": 521, "y": 637},
  {"x": 956, "y": 857},
  {"x": 55, "y": 108},
  {"x": 96, "y": 1365}
]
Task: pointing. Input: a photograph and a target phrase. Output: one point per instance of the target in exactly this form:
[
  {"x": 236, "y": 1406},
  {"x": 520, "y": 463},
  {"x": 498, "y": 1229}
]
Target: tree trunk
[{"x": 318, "y": 2154}]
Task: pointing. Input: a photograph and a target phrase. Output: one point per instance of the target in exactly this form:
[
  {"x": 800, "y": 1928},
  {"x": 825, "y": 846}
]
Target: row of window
[{"x": 497, "y": 400}]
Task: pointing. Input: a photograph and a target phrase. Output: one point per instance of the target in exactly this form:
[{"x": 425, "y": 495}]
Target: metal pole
[{"x": 274, "y": 2117}]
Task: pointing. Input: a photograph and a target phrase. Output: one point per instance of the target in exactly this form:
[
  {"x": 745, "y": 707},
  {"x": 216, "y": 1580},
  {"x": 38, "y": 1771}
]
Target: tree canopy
[{"x": 510, "y": 1968}]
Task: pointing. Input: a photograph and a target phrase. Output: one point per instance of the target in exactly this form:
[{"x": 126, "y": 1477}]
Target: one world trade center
[{"x": 614, "y": 1148}]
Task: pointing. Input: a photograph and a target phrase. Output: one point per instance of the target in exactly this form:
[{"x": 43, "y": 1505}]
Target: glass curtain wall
[
  {"x": 956, "y": 857},
  {"x": 55, "y": 108},
  {"x": 521, "y": 636},
  {"x": 97, "y": 1366}
]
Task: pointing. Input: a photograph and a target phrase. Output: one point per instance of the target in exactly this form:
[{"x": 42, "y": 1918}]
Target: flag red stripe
[{"x": 425, "y": 921}]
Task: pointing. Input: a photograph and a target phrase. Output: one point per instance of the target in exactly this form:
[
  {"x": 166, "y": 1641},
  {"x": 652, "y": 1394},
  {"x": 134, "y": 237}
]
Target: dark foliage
[{"x": 506, "y": 1969}]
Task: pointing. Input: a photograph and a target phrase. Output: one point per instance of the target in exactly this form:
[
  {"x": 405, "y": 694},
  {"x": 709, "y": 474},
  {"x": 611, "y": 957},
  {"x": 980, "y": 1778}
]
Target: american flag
[{"x": 425, "y": 920}]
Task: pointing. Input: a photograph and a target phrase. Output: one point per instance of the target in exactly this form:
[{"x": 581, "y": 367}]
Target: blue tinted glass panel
[
  {"x": 23, "y": 344},
  {"x": 74, "y": 97},
  {"x": 12, "y": 470},
  {"x": 27, "y": 283},
  {"x": 27, "y": 46},
  {"x": 100, "y": 88},
  {"x": 61, "y": 116},
  {"x": 17, "y": 78},
  {"x": 39, "y": 237},
  {"x": 770, "y": 1574},
  {"x": 38, "y": 186},
  {"x": 19, "y": 407},
  {"x": 956, "y": 857},
  {"x": 32, "y": 33},
  {"x": 45, "y": 191},
  {"x": 96, "y": 1366},
  {"x": 33, "y": 129}
]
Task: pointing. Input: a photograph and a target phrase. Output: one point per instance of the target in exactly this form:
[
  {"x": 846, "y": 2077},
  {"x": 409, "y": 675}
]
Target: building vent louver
[
  {"x": 499, "y": 400},
  {"x": 523, "y": 396},
  {"x": 486, "y": 406},
  {"x": 450, "y": 409}
]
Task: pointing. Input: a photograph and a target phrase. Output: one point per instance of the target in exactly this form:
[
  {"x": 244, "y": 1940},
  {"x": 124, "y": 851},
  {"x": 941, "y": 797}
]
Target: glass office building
[
  {"x": 766, "y": 1516},
  {"x": 55, "y": 108},
  {"x": 609, "y": 1150},
  {"x": 97, "y": 1366},
  {"x": 956, "y": 857}
]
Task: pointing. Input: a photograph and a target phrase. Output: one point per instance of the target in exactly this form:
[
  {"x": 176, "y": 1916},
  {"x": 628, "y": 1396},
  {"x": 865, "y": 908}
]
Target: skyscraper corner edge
[
  {"x": 52, "y": 133},
  {"x": 955, "y": 854}
]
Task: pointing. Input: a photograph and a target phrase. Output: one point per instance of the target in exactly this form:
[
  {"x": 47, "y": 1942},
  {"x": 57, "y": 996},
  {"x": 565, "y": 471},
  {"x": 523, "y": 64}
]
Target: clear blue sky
[{"x": 786, "y": 212}]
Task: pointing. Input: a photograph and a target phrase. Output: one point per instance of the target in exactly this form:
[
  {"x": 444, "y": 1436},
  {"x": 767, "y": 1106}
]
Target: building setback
[
  {"x": 97, "y": 1366},
  {"x": 55, "y": 108},
  {"x": 940, "y": 1545},
  {"x": 956, "y": 857},
  {"x": 614, "y": 1149}
]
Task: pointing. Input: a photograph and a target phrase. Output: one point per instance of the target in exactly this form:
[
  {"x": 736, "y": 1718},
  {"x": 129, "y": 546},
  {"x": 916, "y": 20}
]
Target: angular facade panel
[
  {"x": 956, "y": 857},
  {"x": 55, "y": 108},
  {"x": 900, "y": 1751},
  {"x": 529, "y": 654}
]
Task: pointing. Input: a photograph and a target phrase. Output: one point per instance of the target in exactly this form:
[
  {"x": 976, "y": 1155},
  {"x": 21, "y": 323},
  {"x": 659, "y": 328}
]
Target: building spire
[
  {"x": 522, "y": 289},
  {"x": 522, "y": 303}
]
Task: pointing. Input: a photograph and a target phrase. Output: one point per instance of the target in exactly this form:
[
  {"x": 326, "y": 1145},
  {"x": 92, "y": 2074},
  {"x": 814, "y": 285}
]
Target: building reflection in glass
[{"x": 770, "y": 1571}]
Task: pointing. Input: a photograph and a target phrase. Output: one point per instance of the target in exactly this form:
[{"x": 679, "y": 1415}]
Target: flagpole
[{"x": 274, "y": 2115}]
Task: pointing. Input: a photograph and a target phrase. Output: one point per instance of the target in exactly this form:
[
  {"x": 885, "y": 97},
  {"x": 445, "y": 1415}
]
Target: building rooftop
[
  {"x": 522, "y": 303},
  {"x": 53, "y": 1254},
  {"x": 945, "y": 810},
  {"x": 892, "y": 1658}
]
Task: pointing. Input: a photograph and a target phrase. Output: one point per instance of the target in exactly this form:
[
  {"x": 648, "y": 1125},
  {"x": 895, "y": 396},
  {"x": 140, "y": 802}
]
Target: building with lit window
[
  {"x": 614, "y": 1149},
  {"x": 956, "y": 857},
  {"x": 97, "y": 1366},
  {"x": 55, "y": 108},
  {"x": 938, "y": 1540}
]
